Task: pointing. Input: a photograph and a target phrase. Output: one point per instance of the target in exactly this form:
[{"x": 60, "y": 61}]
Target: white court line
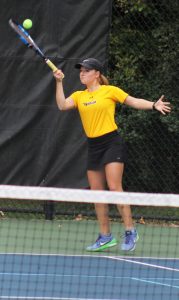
[
  {"x": 161, "y": 278},
  {"x": 95, "y": 255},
  {"x": 118, "y": 258},
  {"x": 122, "y": 258},
  {"x": 63, "y": 275},
  {"x": 143, "y": 264},
  {"x": 53, "y": 298},
  {"x": 87, "y": 276},
  {"x": 152, "y": 266},
  {"x": 156, "y": 283}
]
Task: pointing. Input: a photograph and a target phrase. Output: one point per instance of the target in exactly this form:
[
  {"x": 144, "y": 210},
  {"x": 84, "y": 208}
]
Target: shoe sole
[
  {"x": 106, "y": 246},
  {"x": 137, "y": 238}
]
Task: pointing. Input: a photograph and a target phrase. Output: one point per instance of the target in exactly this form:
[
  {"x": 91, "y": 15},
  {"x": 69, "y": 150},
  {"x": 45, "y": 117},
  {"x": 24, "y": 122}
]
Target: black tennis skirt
[{"x": 105, "y": 149}]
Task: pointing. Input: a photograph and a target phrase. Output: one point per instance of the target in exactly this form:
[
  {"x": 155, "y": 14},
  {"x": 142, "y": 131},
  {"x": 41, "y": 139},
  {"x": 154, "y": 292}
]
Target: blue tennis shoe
[
  {"x": 103, "y": 242},
  {"x": 130, "y": 239}
]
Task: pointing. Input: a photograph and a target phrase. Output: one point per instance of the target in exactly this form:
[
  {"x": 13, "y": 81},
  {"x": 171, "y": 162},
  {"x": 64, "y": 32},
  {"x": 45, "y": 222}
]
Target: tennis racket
[{"x": 29, "y": 42}]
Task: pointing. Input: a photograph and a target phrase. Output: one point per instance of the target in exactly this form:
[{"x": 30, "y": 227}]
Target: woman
[{"x": 106, "y": 149}]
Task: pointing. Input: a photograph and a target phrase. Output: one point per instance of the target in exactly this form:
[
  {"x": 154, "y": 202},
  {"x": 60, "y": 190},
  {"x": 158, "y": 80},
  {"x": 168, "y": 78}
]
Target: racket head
[
  {"x": 29, "y": 42},
  {"x": 25, "y": 37},
  {"x": 22, "y": 33}
]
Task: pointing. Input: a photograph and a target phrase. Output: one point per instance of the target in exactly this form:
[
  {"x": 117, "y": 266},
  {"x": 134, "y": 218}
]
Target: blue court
[{"x": 54, "y": 277}]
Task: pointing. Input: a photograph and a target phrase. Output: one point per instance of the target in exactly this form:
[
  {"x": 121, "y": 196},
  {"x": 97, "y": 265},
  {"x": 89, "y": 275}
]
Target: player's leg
[
  {"x": 105, "y": 240},
  {"x": 97, "y": 181},
  {"x": 114, "y": 174}
]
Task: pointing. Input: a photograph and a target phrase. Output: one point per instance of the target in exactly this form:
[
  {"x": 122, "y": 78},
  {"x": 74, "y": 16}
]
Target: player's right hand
[{"x": 58, "y": 75}]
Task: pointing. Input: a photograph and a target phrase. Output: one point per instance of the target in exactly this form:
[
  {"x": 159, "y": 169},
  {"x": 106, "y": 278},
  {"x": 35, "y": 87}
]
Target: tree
[{"x": 144, "y": 61}]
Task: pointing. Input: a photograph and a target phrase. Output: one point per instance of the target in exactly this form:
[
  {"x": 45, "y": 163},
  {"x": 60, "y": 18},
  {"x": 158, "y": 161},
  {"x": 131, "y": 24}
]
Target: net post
[{"x": 49, "y": 210}]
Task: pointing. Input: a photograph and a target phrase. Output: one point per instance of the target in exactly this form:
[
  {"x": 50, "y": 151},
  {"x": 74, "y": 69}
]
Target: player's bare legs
[
  {"x": 114, "y": 173},
  {"x": 97, "y": 181},
  {"x": 105, "y": 239}
]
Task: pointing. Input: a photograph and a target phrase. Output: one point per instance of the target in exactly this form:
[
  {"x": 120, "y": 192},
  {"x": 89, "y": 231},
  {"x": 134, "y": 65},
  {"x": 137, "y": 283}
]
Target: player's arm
[
  {"x": 62, "y": 102},
  {"x": 137, "y": 103}
]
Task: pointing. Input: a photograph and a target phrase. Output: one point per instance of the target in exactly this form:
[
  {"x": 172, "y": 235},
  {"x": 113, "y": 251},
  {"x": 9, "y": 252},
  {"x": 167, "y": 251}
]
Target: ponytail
[{"x": 103, "y": 80}]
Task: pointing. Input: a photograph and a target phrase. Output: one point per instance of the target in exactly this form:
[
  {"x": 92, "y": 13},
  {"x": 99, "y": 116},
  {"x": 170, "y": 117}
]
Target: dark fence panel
[{"x": 39, "y": 145}]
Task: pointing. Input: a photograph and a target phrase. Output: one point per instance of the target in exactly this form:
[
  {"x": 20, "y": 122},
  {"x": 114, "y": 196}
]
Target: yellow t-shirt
[{"x": 97, "y": 109}]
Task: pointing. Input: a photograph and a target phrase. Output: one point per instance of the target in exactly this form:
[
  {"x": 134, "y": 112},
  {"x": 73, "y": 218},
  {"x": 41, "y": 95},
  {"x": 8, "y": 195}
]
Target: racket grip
[{"x": 51, "y": 65}]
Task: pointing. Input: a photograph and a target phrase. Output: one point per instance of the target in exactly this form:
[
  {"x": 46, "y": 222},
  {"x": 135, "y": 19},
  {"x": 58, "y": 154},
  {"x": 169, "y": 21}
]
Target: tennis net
[{"x": 48, "y": 259}]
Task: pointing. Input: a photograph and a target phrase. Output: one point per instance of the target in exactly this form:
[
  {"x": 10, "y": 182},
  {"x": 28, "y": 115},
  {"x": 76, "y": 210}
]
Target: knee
[
  {"x": 97, "y": 187},
  {"x": 115, "y": 188}
]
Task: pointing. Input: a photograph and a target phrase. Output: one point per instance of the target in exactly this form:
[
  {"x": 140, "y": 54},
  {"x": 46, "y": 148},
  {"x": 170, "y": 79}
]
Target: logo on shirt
[{"x": 89, "y": 103}]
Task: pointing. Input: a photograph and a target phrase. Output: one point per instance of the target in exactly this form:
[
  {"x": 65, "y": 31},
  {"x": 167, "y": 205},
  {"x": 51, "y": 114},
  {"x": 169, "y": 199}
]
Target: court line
[
  {"x": 162, "y": 278},
  {"x": 91, "y": 256},
  {"x": 52, "y": 298},
  {"x": 87, "y": 276},
  {"x": 142, "y": 263},
  {"x": 118, "y": 258},
  {"x": 156, "y": 283},
  {"x": 63, "y": 275}
]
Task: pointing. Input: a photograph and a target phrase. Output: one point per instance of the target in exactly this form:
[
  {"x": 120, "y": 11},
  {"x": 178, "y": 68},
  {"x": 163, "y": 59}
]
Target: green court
[{"x": 72, "y": 237}]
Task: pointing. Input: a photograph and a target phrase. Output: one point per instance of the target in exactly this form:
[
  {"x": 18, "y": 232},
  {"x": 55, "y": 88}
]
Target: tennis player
[{"x": 106, "y": 149}]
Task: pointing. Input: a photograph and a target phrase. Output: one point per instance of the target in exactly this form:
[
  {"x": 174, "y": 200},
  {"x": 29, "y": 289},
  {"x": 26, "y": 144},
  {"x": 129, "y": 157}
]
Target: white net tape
[{"x": 87, "y": 196}]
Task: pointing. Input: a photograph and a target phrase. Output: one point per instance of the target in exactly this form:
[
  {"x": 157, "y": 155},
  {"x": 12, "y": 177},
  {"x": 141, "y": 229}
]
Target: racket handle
[{"x": 51, "y": 65}]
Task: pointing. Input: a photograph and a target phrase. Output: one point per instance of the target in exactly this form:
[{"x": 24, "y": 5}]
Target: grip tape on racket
[{"x": 51, "y": 65}]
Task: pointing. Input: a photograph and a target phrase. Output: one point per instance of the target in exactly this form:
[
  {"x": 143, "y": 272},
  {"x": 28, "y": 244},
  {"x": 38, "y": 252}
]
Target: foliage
[{"x": 144, "y": 61}]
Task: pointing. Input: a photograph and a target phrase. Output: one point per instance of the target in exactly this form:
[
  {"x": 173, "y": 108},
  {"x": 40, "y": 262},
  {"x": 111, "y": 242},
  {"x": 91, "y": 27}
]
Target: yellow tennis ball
[{"x": 27, "y": 24}]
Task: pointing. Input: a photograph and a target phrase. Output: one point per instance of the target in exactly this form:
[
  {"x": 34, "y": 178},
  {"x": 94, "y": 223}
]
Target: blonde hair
[{"x": 103, "y": 80}]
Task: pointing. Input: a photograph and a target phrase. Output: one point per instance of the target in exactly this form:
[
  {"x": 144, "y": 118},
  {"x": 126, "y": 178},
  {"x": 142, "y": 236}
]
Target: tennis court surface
[{"x": 43, "y": 259}]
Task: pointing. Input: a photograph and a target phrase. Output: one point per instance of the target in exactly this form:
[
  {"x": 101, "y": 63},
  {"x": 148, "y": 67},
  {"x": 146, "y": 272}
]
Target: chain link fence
[{"x": 144, "y": 61}]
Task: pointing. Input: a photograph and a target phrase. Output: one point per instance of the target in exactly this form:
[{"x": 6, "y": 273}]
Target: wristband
[{"x": 153, "y": 106}]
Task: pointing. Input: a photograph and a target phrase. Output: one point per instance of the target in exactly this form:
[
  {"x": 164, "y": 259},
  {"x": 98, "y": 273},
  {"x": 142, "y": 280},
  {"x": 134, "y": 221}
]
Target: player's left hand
[{"x": 162, "y": 106}]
